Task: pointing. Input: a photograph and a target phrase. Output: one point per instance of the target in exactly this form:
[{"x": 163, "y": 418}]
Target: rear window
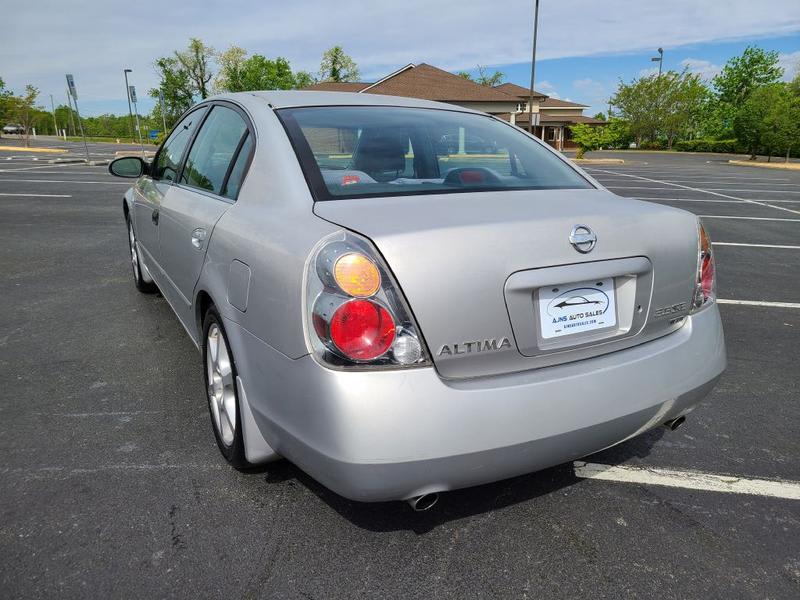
[{"x": 353, "y": 152}]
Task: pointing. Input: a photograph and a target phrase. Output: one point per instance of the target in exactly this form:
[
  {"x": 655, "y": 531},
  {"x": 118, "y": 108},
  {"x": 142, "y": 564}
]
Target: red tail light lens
[
  {"x": 705, "y": 288},
  {"x": 362, "y": 330}
]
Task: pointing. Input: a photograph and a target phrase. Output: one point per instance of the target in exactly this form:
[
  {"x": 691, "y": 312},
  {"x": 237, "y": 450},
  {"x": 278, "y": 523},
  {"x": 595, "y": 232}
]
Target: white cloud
[
  {"x": 790, "y": 62},
  {"x": 706, "y": 69},
  {"x": 591, "y": 90},
  {"x": 103, "y": 37},
  {"x": 547, "y": 88}
]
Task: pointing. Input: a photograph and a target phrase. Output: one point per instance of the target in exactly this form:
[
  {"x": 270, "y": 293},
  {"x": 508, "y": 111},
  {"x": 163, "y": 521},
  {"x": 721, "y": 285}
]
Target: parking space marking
[
  {"x": 37, "y": 195},
  {"x": 694, "y": 189},
  {"x": 752, "y": 218},
  {"x": 691, "y": 200},
  {"x": 760, "y": 303},
  {"x": 65, "y": 181},
  {"x": 778, "y": 246},
  {"x": 691, "y": 480}
]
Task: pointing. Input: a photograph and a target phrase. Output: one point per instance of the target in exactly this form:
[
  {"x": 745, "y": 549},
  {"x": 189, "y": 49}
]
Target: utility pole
[
  {"x": 132, "y": 96},
  {"x": 659, "y": 59},
  {"x": 533, "y": 65},
  {"x": 69, "y": 111},
  {"x": 53, "y": 106},
  {"x": 74, "y": 92},
  {"x": 128, "y": 94}
]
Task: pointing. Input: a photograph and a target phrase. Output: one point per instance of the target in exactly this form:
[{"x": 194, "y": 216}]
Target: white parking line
[
  {"x": 752, "y": 218},
  {"x": 38, "y": 195},
  {"x": 756, "y": 245},
  {"x": 760, "y": 303},
  {"x": 2, "y": 179},
  {"x": 690, "y": 480},
  {"x": 687, "y": 187},
  {"x": 692, "y": 200}
]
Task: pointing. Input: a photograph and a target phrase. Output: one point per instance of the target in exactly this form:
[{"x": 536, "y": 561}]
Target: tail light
[
  {"x": 356, "y": 315},
  {"x": 705, "y": 290}
]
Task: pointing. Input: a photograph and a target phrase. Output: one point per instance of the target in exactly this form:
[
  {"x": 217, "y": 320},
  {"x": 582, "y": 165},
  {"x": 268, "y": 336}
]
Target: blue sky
[{"x": 585, "y": 46}]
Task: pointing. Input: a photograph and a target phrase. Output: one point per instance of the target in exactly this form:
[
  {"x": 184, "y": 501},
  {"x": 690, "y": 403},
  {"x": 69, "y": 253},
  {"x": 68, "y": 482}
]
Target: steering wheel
[{"x": 466, "y": 176}]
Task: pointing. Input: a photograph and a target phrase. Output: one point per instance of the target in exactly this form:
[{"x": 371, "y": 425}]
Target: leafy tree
[
  {"x": 762, "y": 122},
  {"x": 240, "y": 74},
  {"x": 617, "y": 134},
  {"x": 196, "y": 60},
  {"x": 741, "y": 75},
  {"x": 303, "y": 79},
  {"x": 601, "y": 116},
  {"x": 465, "y": 75},
  {"x": 588, "y": 138},
  {"x": 489, "y": 79},
  {"x": 176, "y": 87},
  {"x": 23, "y": 108},
  {"x": 337, "y": 66}
]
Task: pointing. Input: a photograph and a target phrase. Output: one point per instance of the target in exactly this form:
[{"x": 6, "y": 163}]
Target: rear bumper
[{"x": 392, "y": 435}]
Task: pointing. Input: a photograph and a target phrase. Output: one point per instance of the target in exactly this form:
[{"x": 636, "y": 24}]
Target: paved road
[{"x": 111, "y": 484}]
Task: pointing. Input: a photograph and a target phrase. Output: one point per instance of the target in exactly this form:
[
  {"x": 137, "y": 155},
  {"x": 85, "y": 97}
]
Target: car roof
[{"x": 297, "y": 98}]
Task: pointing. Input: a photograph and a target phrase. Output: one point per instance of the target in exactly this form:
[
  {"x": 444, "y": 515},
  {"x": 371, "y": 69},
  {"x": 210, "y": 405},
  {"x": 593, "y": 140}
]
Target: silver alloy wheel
[
  {"x": 221, "y": 386},
  {"x": 134, "y": 254}
]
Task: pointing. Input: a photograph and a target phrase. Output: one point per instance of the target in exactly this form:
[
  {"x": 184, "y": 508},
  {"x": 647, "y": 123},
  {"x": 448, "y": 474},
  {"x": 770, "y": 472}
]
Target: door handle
[
  {"x": 154, "y": 216},
  {"x": 198, "y": 237}
]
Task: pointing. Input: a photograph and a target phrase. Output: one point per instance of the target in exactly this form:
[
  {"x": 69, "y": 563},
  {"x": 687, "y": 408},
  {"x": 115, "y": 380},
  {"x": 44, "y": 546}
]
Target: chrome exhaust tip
[
  {"x": 423, "y": 502},
  {"x": 673, "y": 424}
]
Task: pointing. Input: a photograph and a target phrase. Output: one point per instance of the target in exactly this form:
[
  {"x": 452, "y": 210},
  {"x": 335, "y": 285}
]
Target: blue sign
[{"x": 154, "y": 133}]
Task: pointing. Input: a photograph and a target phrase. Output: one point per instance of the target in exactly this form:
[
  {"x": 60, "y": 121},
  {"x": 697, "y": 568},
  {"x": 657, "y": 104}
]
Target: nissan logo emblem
[{"x": 583, "y": 239}]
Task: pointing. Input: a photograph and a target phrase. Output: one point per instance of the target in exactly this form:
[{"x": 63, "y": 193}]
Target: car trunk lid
[{"x": 479, "y": 269}]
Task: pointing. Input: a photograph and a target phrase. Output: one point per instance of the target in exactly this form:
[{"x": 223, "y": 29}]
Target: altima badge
[{"x": 583, "y": 239}]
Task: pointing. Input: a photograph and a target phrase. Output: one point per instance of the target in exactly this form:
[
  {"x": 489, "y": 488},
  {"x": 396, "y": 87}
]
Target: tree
[
  {"x": 5, "y": 105},
  {"x": 763, "y": 122},
  {"x": 337, "y": 66},
  {"x": 491, "y": 80},
  {"x": 231, "y": 67},
  {"x": 303, "y": 79},
  {"x": 196, "y": 60},
  {"x": 601, "y": 116},
  {"x": 587, "y": 137},
  {"x": 465, "y": 75},
  {"x": 176, "y": 87},
  {"x": 239, "y": 73},
  {"x": 22, "y": 109},
  {"x": 741, "y": 75}
]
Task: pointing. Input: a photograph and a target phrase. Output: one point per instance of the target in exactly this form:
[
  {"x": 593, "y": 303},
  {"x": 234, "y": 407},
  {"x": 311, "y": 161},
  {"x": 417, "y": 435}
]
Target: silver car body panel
[{"x": 466, "y": 263}]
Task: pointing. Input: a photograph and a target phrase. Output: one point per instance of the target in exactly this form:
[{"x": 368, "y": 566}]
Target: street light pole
[
  {"x": 659, "y": 59},
  {"x": 128, "y": 94},
  {"x": 533, "y": 65}
]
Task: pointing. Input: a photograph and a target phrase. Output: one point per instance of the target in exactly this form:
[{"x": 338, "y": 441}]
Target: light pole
[
  {"x": 128, "y": 94},
  {"x": 533, "y": 65},
  {"x": 659, "y": 59}
]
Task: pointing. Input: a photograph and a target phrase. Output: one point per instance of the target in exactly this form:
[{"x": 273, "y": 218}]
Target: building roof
[
  {"x": 556, "y": 103},
  {"x": 559, "y": 119},
  {"x": 431, "y": 83},
  {"x": 337, "y": 86},
  {"x": 518, "y": 91}
]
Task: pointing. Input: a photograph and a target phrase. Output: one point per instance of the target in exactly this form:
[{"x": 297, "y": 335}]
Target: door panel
[{"x": 185, "y": 224}]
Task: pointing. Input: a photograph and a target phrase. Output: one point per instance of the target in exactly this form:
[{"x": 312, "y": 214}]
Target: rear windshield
[{"x": 361, "y": 151}]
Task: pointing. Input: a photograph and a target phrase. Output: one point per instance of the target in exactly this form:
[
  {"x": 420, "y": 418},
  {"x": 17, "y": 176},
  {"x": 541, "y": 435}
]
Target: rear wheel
[
  {"x": 223, "y": 397},
  {"x": 147, "y": 287}
]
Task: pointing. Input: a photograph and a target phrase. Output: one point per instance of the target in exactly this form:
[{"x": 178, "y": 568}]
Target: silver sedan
[{"x": 401, "y": 312}]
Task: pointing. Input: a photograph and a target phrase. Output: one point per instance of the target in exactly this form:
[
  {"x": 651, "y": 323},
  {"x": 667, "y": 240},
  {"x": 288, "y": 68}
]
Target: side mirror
[{"x": 129, "y": 166}]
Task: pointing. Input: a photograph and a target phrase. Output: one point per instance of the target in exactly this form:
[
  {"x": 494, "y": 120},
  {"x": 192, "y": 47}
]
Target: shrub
[
  {"x": 700, "y": 145},
  {"x": 655, "y": 145}
]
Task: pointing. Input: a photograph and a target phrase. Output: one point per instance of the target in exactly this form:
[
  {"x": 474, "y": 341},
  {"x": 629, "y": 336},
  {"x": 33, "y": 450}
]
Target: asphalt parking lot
[{"x": 112, "y": 485}]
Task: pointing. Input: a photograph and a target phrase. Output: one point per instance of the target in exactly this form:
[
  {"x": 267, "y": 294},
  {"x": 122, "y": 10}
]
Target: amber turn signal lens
[{"x": 357, "y": 275}]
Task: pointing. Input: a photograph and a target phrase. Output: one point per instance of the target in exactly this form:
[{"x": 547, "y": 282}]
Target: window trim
[
  {"x": 179, "y": 171},
  {"x": 208, "y": 107},
  {"x": 319, "y": 190}
]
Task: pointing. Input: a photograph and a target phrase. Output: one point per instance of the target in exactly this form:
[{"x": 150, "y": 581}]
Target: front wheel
[
  {"x": 146, "y": 287},
  {"x": 223, "y": 397}
]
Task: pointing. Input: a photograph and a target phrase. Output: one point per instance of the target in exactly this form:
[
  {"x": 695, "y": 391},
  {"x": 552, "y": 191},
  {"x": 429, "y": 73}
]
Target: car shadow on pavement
[{"x": 457, "y": 504}]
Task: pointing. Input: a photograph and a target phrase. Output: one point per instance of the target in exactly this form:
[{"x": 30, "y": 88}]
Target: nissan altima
[{"x": 400, "y": 317}]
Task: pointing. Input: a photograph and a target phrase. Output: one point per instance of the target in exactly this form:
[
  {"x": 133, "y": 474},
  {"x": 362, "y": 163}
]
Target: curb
[
  {"x": 147, "y": 153},
  {"x": 55, "y": 161},
  {"x": 599, "y": 161},
  {"x": 23, "y": 149},
  {"x": 748, "y": 163}
]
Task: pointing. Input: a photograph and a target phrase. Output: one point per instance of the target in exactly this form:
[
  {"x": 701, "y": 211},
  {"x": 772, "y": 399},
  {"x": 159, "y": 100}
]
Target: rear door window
[{"x": 214, "y": 150}]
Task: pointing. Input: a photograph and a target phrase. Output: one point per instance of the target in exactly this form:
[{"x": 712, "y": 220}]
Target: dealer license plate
[{"x": 577, "y": 307}]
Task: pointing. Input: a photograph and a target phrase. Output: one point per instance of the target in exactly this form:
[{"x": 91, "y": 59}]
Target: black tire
[
  {"x": 136, "y": 262},
  {"x": 233, "y": 451}
]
